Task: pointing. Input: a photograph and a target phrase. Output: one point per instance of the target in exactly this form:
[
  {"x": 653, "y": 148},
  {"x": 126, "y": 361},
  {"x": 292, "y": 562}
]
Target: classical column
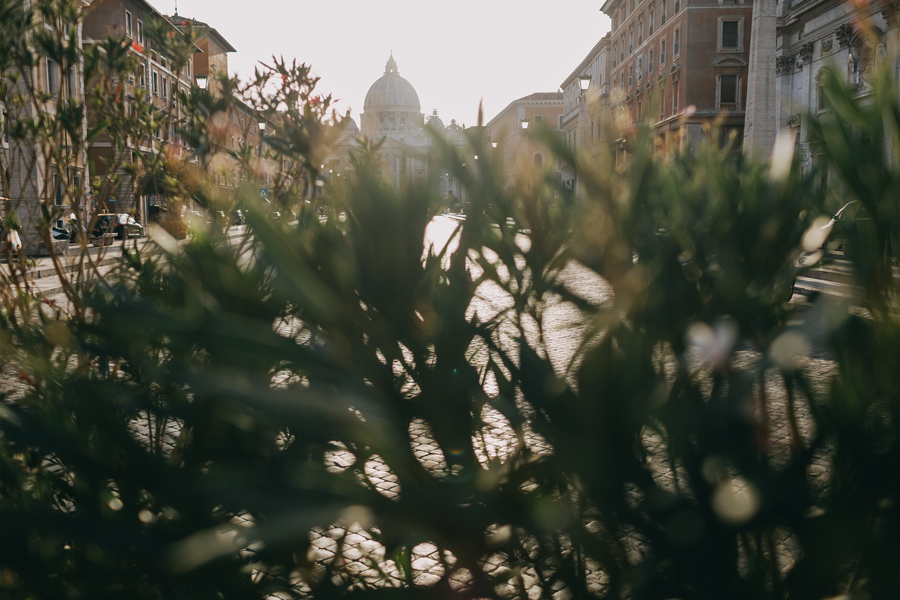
[{"x": 760, "y": 116}]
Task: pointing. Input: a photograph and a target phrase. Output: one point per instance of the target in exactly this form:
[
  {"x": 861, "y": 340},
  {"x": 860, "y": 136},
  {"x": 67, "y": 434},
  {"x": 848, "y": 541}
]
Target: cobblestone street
[{"x": 352, "y": 549}]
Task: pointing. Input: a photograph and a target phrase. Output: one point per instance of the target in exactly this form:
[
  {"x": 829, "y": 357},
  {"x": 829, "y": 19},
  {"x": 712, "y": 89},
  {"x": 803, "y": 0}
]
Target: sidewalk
[{"x": 45, "y": 278}]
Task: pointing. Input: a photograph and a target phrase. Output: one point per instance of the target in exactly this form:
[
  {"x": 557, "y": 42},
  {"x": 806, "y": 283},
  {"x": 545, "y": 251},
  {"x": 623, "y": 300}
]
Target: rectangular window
[
  {"x": 5, "y": 124},
  {"x": 676, "y": 43},
  {"x": 622, "y": 80},
  {"x": 677, "y": 7},
  {"x": 57, "y": 189},
  {"x": 142, "y": 77},
  {"x": 730, "y": 34},
  {"x": 675, "y": 98},
  {"x": 140, "y": 32},
  {"x": 538, "y": 120},
  {"x": 165, "y": 88},
  {"x": 630, "y": 76},
  {"x": 52, "y": 78},
  {"x": 727, "y": 92},
  {"x": 73, "y": 83},
  {"x": 662, "y": 12},
  {"x": 128, "y": 30},
  {"x": 650, "y": 64},
  {"x": 650, "y": 24},
  {"x": 154, "y": 80},
  {"x": 640, "y": 68},
  {"x": 662, "y": 52}
]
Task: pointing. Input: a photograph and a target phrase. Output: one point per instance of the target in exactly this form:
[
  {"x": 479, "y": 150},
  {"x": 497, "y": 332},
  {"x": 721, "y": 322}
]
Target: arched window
[{"x": 538, "y": 161}]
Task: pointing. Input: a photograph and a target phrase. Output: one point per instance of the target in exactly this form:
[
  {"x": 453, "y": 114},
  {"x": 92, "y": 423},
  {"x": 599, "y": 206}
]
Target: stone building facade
[
  {"x": 392, "y": 114},
  {"x": 586, "y": 121},
  {"x": 52, "y": 171},
  {"x": 814, "y": 34}
]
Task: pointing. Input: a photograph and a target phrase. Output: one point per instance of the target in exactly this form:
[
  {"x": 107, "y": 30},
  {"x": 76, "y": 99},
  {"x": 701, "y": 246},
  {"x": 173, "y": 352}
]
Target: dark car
[{"x": 122, "y": 224}]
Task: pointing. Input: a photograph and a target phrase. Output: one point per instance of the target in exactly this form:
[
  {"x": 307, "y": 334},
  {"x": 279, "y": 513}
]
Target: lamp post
[
  {"x": 202, "y": 82},
  {"x": 584, "y": 82}
]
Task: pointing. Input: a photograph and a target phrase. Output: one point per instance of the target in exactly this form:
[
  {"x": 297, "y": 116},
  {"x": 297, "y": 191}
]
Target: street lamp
[
  {"x": 585, "y": 82},
  {"x": 525, "y": 124},
  {"x": 202, "y": 81},
  {"x": 262, "y": 125}
]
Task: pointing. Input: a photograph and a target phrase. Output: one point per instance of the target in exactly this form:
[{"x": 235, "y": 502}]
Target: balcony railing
[{"x": 728, "y": 106}]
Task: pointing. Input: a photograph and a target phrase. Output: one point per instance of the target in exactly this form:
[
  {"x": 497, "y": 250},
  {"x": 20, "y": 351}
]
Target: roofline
[
  {"x": 587, "y": 59},
  {"x": 523, "y": 101},
  {"x": 205, "y": 28},
  {"x": 606, "y": 5},
  {"x": 92, "y": 3},
  {"x": 221, "y": 39}
]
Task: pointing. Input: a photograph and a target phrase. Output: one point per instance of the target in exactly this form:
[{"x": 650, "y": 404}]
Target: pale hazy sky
[{"x": 453, "y": 53}]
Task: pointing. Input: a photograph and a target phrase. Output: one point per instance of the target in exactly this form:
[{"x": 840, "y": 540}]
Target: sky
[{"x": 453, "y": 53}]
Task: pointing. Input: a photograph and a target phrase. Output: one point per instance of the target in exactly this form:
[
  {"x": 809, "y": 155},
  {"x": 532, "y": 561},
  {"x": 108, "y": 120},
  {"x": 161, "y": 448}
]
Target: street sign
[{"x": 263, "y": 192}]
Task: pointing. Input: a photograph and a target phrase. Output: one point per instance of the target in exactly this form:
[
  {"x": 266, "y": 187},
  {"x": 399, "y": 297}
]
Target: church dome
[
  {"x": 435, "y": 121},
  {"x": 392, "y": 91}
]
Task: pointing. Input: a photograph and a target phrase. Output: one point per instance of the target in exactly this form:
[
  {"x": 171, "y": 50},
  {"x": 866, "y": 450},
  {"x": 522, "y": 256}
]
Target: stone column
[{"x": 759, "y": 119}]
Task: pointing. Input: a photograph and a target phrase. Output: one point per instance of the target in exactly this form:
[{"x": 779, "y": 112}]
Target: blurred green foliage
[{"x": 193, "y": 428}]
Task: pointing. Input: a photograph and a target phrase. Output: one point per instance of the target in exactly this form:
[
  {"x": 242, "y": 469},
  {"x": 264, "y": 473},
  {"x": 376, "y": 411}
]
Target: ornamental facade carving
[
  {"x": 844, "y": 34},
  {"x": 784, "y": 64}
]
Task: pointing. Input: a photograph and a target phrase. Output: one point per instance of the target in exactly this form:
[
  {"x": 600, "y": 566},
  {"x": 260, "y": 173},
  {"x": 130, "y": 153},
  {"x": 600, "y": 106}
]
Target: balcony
[{"x": 728, "y": 106}]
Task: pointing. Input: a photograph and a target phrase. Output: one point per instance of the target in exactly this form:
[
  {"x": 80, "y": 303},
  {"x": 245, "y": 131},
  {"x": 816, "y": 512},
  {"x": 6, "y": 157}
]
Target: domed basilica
[{"x": 392, "y": 112}]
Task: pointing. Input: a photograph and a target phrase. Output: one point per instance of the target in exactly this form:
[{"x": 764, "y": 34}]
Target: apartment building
[
  {"x": 683, "y": 64},
  {"x": 157, "y": 82},
  {"x": 507, "y": 131},
  {"x": 239, "y": 129}
]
